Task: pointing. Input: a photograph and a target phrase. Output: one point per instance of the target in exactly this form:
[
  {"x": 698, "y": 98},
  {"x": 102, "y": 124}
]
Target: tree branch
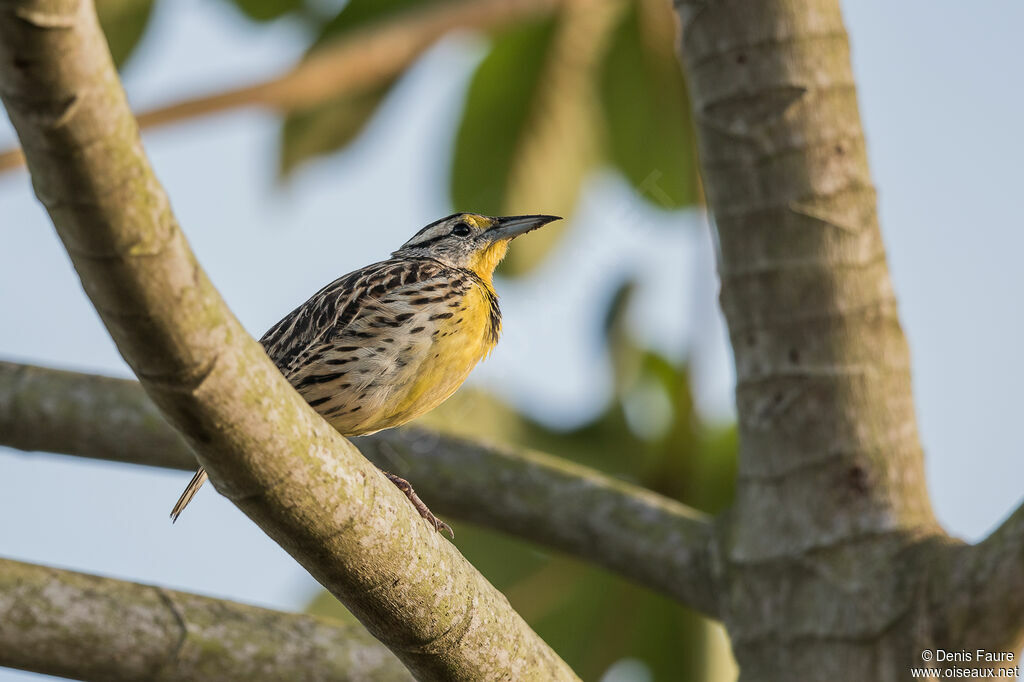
[
  {"x": 87, "y": 415},
  {"x": 367, "y": 58},
  {"x": 91, "y": 628},
  {"x": 264, "y": 447},
  {"x": 643, "y": 536}
]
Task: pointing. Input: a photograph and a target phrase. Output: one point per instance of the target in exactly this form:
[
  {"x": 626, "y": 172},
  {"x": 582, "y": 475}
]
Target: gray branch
[
  {"x": 90, "y": 628},
  {"x": 71, "y": 413},
  {"x": 264, "y": 447},
  {"x": 649, "y": 538}
]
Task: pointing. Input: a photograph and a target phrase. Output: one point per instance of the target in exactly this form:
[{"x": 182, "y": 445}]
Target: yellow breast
[
  {"x": 388, "y": 375},
  {"x": 456, "y": 346}
]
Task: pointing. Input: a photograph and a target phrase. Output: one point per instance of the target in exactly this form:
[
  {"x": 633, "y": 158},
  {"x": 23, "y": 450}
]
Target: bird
[{"x": 384, "y": 344}]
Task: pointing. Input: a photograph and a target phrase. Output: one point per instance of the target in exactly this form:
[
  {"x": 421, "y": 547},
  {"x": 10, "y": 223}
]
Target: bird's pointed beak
[{"x": 510, "y": 227}]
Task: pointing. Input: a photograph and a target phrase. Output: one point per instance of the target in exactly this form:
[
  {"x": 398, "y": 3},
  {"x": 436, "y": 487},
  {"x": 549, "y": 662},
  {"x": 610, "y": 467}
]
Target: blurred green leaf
[
  {"x": 529, "y": 131},
  {"x": 332, "y": 125},
  {"x": 676, "y": 448},
  {"x": 715, "y": 469},
  {"x": 267, "y": 10},
  {"x": 647, "y": 111},
  {"x": 498, "y": 106},
  {"x": 123, "y": 22},
  {"x": 326, "y": 128}
]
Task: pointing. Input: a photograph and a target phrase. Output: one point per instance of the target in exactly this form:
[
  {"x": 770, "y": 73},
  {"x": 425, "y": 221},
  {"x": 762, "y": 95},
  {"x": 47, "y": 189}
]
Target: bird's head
[{"x": 472, "y": 241}]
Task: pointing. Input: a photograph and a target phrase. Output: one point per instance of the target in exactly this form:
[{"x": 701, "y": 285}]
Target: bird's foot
[{"x": 422, "y": 508}]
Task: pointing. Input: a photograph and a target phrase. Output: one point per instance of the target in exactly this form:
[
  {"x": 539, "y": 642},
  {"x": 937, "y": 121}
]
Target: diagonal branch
[
  {"x": 643, "y": 536},
  {"x": 91, "y": 628},
  {"x": 264, "y": 447},
  {"x": 367, "y": 58}
]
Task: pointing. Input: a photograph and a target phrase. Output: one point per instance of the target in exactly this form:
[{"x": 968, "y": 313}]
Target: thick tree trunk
[{"x": 828, "y": 557}]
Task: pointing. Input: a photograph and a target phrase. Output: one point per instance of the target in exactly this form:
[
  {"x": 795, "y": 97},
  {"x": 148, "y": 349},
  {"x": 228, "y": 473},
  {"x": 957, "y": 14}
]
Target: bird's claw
[
  {"x": 438, "y": 524},
  {"x": 422, "y": 508}
]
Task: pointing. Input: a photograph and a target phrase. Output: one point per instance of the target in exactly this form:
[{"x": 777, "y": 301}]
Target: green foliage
[
  {"x": 267, "y": 10},
  {"x": 123, "y": 23},
  {"x": 327, "y": 127},
  {"x": 498, "y": 105},
  {"x": 636, "y": 89},
  {"x": 323, "y": 129},
  {"x": 649, "y": 131}
]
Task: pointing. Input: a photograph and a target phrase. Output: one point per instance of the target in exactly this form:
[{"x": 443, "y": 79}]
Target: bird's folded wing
[{"x": 295, "y": 343}]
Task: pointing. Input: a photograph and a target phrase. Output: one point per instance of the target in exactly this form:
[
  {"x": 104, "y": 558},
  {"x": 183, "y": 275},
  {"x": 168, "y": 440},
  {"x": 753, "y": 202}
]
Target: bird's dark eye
[{"x": 461, "y": 230}]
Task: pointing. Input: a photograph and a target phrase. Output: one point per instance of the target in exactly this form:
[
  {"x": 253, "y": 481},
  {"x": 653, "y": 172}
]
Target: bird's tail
[{"x": 190, "y": 492}]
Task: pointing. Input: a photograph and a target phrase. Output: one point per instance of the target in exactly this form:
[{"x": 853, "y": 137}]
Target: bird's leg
[{"x": 422, "y": 508}]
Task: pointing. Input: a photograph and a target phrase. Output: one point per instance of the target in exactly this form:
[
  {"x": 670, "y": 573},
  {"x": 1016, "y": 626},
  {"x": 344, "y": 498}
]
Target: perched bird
[{"x": 386, "y": 343}]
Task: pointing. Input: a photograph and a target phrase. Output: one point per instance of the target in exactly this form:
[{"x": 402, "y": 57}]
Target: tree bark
[
  {"x": 91, "y": 628},
  {"x": 264, "y": 448},
  {"x": 651, "y": 539},
  {"x": 832, "y": 558}
]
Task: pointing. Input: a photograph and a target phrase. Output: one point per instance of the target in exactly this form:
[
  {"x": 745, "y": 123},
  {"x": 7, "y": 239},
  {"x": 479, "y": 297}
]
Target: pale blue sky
[{"x": 941, "y": 103}]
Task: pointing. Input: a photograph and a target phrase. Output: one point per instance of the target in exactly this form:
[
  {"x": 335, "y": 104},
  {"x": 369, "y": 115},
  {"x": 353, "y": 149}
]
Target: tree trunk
[{"x": 828, "y": 558}]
